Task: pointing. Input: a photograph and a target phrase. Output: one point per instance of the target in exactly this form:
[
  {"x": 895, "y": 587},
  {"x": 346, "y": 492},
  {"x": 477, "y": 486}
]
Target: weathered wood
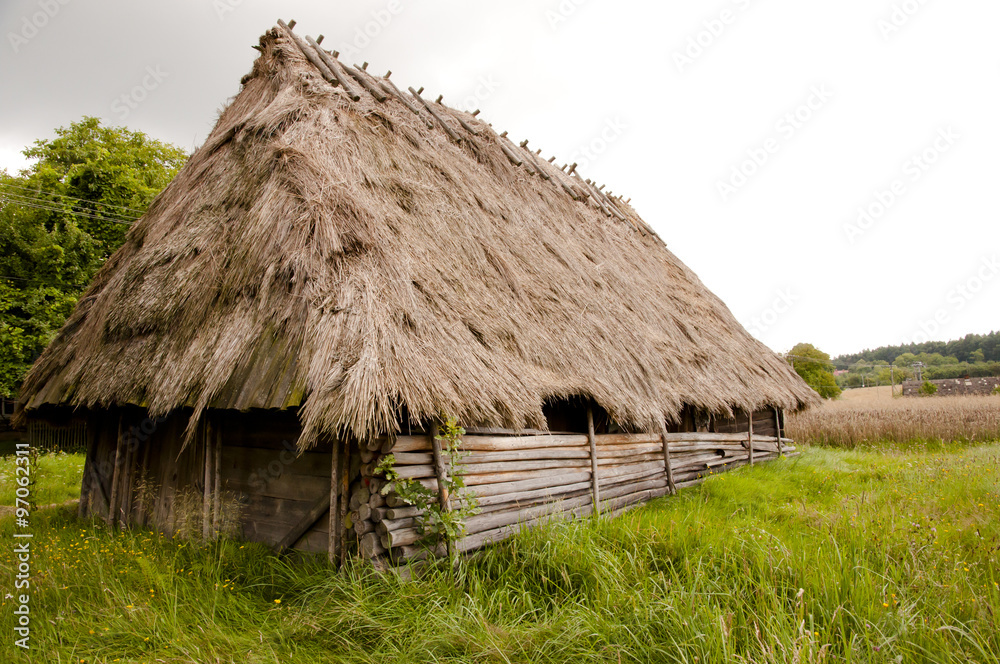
[
  {"x": 366, "y": 81},
  {"x": 318, "y": 509},
  {"x": 217, "y": 482},
  {"x": 206, "y": 521},
  {"x": 369, "y": 545},
  {"x": 750, "y": 440},
  {"x": 447, "y": 128},
  {"x": 594, "y": 479},
  {"x": 345, "y": 488},
  {"x": 777, "y": 429},
  {"x": 391, "y": 88},
  {"x": 666, "y": 458},
  {"x": 115, "y": 476},
  {"x": 333, "y": 535},
  {"x": 440, "y": 470}
]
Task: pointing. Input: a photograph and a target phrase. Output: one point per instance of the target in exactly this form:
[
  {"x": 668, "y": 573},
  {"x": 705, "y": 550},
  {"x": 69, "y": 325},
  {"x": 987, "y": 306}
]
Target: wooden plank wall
[{"x": 265, "y": 487}]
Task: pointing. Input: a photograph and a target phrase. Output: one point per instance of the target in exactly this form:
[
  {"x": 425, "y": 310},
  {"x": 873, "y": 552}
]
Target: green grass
[
  {"x": 57, "y": 478},
  {"x": 856, "y": 556}
]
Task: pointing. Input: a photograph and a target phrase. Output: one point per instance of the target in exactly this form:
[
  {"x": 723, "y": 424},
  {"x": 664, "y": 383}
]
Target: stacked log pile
[{"x": 522, "y": 480}]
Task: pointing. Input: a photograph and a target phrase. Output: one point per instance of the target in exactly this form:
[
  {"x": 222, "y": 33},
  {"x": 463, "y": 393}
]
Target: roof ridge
[{"x": 580, "y": 190}]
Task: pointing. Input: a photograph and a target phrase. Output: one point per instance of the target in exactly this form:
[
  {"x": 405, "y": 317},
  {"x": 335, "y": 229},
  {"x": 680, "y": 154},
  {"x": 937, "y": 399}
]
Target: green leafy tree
[
  {"x": 815, "y": 368},
  {"x": 928, "y": 389},
  {"x": 60, "y": 219}
]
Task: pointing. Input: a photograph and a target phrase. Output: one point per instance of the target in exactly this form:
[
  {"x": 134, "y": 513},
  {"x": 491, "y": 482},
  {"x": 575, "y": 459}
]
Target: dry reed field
[{"x": 871, "y": 415}]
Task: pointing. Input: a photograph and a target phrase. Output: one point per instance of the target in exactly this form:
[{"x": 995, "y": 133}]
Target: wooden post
[
  {"x": 777, "y": 429},
  {"x": 750, "y": 435},
  {"x": 594, "y": 481},
  {"x": 345, "y": 491},
  {"x": 439, "y": 469},
  {"x": 666, "y": 459},
  {"x": 206, "y": 498},
  {"x": 217, "y": 484},
  {"x": 115, "y": 476},
  {"x": 333, "y": 547}
]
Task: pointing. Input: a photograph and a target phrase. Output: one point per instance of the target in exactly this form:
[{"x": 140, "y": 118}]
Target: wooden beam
[
  {"x": 335, "y": 69},
  {"x": 317, "y": 510},
  {"x": 594, "y": 481},
  {"x": 666, "y": 458},
  {"x": 391, "y": 88},
  {"x": 750, "y": 437},
  {"x": 333, "y": 547}
]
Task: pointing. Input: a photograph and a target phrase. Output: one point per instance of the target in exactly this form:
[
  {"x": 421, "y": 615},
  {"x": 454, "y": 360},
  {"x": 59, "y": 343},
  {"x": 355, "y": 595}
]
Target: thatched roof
[{"x": 356, "y": 258}]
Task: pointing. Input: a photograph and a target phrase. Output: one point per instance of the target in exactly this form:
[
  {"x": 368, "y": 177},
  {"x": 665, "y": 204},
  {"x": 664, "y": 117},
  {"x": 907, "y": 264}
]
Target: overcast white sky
[{"x": 886, "y": 105}]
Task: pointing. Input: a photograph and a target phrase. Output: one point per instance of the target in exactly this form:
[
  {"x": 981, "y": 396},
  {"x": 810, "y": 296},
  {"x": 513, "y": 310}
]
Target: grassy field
[
  {"x": 872, "y": 417},
  {"x": 58, "y": 478},
  {"x": 836, "y": 555}
]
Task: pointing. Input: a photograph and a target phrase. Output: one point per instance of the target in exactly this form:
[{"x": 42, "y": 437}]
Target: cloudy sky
[{"x": 828, "y": 169}]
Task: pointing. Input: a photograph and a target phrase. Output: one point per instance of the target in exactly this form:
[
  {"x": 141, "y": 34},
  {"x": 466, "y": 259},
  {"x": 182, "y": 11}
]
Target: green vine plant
[{"x": 436, "y": 524}]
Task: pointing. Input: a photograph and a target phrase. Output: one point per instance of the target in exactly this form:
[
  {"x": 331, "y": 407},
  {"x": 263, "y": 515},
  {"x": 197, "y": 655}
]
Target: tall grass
[
  {"x": 902, "y": 421},
  {"x": 833, "y": 556}
]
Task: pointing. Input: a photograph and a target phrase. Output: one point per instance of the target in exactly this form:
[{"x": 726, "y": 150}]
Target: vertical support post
[
  {"x": 128, "y": 480},
  {"x": 206, "y": 498},
  {"x": 595, "y": 484},
  {"x": 333, "y": 546},
  {"x": 217, "y": 484},
  {"x": 439, "y": 469},
  {"x": 777, "y": 429},
  {"x": 750, "y": 435},
  {"x": 116, "y": 476},
  {"x": 345, "y": 497},
  {"x": 666, "y": 459},
  {"x": 442, "y": 474}
]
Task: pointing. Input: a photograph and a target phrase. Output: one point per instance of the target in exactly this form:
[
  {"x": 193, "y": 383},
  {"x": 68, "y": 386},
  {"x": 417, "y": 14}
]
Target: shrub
[{"x": 928, "y": 389}]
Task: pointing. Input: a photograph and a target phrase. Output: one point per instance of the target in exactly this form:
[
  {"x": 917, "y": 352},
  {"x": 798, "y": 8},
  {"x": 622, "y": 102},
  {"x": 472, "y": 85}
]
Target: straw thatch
[{"x": 353, "y": 258}]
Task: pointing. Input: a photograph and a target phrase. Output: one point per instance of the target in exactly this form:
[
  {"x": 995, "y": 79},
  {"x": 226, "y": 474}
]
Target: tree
[
  {"x": 60, "y": 219},
  {"x": 815, "y": 368}
]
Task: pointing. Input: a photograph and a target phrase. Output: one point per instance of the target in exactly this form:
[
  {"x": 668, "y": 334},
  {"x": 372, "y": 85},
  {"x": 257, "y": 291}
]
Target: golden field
[{"x": 873, "y": 415}]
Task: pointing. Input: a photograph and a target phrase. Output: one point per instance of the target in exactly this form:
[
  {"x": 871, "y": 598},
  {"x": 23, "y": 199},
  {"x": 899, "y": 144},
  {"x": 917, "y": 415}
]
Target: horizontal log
[
  {"x": 387, "y": 526},
  {"x": 369, "y": 546}
]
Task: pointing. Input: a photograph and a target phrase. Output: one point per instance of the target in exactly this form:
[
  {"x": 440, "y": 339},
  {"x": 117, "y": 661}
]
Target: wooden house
[{"x": 342, "y": 263}]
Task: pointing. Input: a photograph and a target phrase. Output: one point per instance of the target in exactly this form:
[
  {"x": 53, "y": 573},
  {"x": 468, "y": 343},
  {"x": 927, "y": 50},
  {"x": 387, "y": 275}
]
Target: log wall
[{"x": 520, "y": 481}]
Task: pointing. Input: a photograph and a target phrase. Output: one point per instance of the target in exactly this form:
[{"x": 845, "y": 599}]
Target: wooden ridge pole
[
  {"x": 333, "y": 546},
  {"x": 595, "y": 482},
  {"x": 666, "y": 459}
]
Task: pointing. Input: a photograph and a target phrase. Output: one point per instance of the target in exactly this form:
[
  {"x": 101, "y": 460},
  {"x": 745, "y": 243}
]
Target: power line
[
  {"x": 51, "y": 206},
  {"x": 81, "y": 200}
]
